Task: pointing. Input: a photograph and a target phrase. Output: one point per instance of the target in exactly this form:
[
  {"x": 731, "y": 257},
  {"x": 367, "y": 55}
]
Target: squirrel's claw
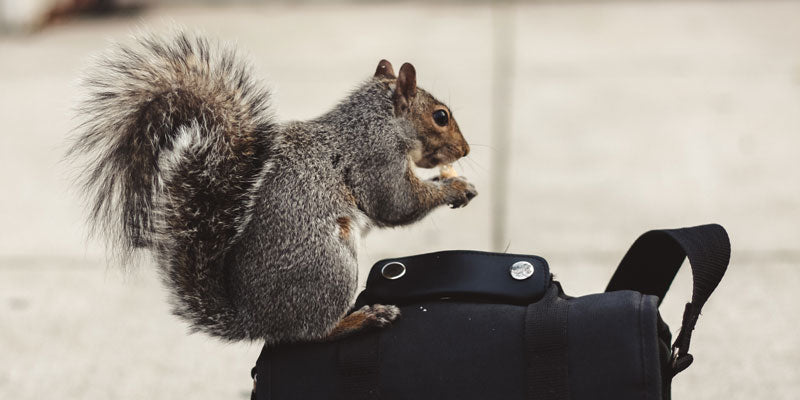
[
  {"x": 367, "y": 317},
  {"x": 379, "y": 315},
  {"x": 464, "y": 192}
]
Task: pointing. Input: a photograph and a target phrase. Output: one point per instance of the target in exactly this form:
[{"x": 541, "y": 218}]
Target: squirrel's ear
[
  {"x": 385, "y": 70},
  {"x": 406, "y": 86}
]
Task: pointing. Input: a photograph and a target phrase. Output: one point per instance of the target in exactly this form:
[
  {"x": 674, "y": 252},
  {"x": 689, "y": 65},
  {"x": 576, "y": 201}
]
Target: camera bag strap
[{"x": 653, "y": 261}]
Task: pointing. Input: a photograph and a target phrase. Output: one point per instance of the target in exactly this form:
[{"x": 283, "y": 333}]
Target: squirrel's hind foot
[{"x": 367, "y": 317}]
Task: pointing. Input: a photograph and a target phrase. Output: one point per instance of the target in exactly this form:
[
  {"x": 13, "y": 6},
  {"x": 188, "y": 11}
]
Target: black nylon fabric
[
  {"x": 464, "y": 351},
  {"x": 613, "y": 347}
]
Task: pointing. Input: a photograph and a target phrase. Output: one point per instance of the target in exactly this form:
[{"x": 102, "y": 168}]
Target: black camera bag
[{"x": 478, "y": 325}]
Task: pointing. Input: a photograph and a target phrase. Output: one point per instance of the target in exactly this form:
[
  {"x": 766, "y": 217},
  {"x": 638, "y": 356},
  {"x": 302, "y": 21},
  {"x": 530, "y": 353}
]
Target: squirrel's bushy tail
[{"x": 176, "y": 135}]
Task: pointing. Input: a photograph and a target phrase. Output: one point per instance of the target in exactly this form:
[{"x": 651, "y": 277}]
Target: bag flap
[{"x": 457, "y": 274}]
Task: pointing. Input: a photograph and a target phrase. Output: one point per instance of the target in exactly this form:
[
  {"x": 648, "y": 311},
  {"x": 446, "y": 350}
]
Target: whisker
[
  {"x": 472, "y": 168},
  {"x": 468, "y": 158},
  {"x": 433, "y": 221},
  {"x": 482, "y": 145},
  {"x": 461, "y": 166}
]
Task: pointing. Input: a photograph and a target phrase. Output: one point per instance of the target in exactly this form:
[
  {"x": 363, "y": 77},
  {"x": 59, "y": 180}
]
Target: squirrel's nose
[{"x": 466, "y": 149}]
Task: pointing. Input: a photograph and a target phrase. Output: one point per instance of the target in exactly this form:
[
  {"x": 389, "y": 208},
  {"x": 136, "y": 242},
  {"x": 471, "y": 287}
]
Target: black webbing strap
[
  {"x": 655, "y": 258},
  {"x": 358, "y": 362},
  {"x": 546, "y": 345}
]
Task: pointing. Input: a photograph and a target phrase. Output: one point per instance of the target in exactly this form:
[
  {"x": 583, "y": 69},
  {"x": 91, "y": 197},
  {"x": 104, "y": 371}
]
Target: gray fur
[{"x": 253, "y": 224}]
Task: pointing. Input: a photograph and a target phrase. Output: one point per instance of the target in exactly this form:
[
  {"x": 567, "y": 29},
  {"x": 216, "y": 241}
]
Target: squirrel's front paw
[{"x": 460, "y": 191}]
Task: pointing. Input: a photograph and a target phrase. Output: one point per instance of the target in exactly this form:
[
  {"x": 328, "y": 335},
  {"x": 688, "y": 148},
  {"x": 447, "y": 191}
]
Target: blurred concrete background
[{"x": 590, "y": 123}]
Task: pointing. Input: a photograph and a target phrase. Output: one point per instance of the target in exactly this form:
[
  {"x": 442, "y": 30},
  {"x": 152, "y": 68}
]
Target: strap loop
[
  {"x": 681, "y": 359},
  {"x": 546, "y": 344},
  {"x": 358, "y": 367}
]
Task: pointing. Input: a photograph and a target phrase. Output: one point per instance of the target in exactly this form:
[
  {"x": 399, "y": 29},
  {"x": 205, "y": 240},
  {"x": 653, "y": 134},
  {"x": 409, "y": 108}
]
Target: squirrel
[{"x": 254, "y": 224}]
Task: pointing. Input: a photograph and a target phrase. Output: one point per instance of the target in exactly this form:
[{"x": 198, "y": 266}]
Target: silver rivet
[
  {"x": 393, "y": 270},
  {"x": 521, "y": 270}
]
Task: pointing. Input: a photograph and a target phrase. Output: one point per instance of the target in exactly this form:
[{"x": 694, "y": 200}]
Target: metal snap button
[
  {"x": 393, "y": 270},
  {"x": 521, "y": 270}
]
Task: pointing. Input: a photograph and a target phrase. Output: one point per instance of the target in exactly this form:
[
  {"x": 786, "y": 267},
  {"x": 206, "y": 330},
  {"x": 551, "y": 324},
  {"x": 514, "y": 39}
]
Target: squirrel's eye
[{"x": 440, "y": 117}]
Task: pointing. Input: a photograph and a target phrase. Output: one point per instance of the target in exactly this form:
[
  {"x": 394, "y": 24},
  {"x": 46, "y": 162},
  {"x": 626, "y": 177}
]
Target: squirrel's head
[{"x": 440, "y": 139}]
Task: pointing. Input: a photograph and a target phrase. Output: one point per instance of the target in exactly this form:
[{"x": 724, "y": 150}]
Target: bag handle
[{"x": 653, "y": 261}]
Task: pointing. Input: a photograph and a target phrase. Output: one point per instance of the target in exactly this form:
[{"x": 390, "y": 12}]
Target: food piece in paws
[{"x": 447, "y": 171}]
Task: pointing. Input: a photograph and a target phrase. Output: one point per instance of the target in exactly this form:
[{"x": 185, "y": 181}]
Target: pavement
[{"x": 612, "y": 118}]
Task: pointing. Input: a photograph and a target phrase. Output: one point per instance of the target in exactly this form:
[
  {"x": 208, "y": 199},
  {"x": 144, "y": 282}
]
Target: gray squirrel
[{"x": 254, "y": 224}]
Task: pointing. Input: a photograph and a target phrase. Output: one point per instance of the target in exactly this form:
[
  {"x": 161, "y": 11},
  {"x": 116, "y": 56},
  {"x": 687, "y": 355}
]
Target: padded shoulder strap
[{"x": 655, "y": 258}]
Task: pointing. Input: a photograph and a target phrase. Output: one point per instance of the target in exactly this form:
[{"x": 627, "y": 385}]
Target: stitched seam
[{"x": 641, "y": 345}]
